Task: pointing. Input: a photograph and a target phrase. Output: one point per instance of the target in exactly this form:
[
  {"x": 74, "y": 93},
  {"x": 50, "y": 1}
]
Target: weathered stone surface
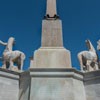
[
  {"x": 49, "y": 84},
  {"x": 56, "y": 84},
  {"x": 92, "y": 85},
  {"x": 9, "y": 85},
  {"x": 52, "y": 33},
  {"x": 14, "y": 85},
  {"x": 51, "y": 54},
  {"x": 24, "y": 88},
  {"x": 78, "y": 90},
  {"x": 52, "y": 58},
  {"x": 51, "y": 7}
]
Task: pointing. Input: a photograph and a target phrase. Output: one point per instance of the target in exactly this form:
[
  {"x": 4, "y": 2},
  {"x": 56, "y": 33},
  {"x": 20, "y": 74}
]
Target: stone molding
[
  {"x": 9, "y": 74},
  {"x": 59, "y": 73}
]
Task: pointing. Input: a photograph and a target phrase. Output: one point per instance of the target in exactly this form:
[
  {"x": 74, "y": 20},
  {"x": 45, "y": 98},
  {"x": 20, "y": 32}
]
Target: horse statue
[
  {"x": 88, "y": 60},
  {"x": 10, "y": 57}
]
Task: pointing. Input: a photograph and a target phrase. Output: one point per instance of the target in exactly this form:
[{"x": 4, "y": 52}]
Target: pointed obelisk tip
[{"x": 51, "y": 11}]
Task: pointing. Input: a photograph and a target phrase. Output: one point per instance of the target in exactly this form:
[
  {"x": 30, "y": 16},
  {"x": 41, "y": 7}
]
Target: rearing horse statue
[
  {"x": 11, "y": 57},
  {"x": 88, "y": 59}
]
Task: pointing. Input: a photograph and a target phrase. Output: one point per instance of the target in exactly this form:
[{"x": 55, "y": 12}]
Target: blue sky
[{"x": 22, "y": 19}]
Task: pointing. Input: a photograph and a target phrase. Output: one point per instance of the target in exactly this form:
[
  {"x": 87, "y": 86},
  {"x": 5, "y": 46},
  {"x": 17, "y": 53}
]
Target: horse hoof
[
  {"x": 3, "y": 67},
  {"x": 14, "y": 69}
]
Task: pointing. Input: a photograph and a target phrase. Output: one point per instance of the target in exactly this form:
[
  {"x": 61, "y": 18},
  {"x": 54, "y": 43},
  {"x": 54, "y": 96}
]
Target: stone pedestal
[
  {"x": 56, "y": 84},
  {"x": 51, "y": 54},
  {"x": 9, "y": 85},
  {"x": 14, "y": 85},
  {"x": 52, "y": 58},
  {"x": 92, "y": 85}
]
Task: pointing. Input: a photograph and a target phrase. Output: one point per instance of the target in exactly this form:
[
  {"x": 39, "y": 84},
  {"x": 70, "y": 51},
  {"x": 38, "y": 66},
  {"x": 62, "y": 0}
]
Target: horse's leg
[
  {"x": 90, "y": 68},
  {"x": 22, "y": 61},
  {"x": 21, "y": 67},
  {"x": 80, "y": 61},
  {"x": 11, "y": 65},
  {"x": 87, "y": 66},
  {"x": 96, "y": 66},
  {"x": 4, "y": 65}
]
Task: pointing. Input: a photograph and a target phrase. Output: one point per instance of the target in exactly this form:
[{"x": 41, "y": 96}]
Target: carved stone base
[
  {"x": 52, "y": 58},
  {"x": 56, "y": 84}
]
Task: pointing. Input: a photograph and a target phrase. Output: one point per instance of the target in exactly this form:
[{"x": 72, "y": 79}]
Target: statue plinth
[{"x": 52, "y": 57}]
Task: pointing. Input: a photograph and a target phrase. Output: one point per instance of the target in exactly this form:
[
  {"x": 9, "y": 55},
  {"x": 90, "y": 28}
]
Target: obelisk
[
  {"x": 51, "y": 8},
  {"x": 51, "y": 54},
  {"x": 52, "y": 76},
  {"x": 52, "y": 27}
]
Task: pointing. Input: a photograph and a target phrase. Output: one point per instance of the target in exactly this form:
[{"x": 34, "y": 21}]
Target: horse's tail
[{"x": 3, "y": 43}]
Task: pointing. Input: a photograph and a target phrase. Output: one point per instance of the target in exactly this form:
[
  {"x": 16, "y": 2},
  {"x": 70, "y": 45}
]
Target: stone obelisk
[
  {"x": 52, "y": 76},
  {"x": 51, "y": 8},
  {"x": 51, "y": 54}
]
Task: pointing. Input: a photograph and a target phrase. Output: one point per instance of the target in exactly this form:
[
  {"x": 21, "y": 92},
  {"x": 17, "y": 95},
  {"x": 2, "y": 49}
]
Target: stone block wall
[
  {"x": 24, "y": 86},
  {"x": 56, "y": 84},
  {"x": 9, "y": 85},
  {"x": 49, "y": 84},
  {"x": 92, "y": 85}
]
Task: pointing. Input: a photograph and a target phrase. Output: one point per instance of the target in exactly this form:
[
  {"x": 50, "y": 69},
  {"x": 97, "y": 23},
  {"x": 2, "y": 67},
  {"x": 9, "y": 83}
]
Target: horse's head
[
  {"x": 89, "y": 45},
  {"x": 11, "y": 41}
]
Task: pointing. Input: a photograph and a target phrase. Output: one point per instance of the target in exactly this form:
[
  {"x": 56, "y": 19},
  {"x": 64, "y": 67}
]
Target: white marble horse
[
  {"x": 11, "y": 57},
  {"x": 88, "y": 59}
]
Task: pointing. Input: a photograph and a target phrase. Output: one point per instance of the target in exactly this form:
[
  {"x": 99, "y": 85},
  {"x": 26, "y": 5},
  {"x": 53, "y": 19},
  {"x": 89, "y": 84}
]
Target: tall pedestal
[
  {"x": 51, "y": 54},
  {"x": 52, "y": 58}
]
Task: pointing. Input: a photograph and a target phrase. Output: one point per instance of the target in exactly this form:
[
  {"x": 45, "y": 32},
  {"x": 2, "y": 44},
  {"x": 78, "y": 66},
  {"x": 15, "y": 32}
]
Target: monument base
[
  {"x": 52, "y": 57},
  {"x": 49, "y": 84},
  {"x": 9, "y": 85},
  {"x": 92, "y": 85},
  {"x": 56, "y": 84},
  {"x": 14, "y": 85}
]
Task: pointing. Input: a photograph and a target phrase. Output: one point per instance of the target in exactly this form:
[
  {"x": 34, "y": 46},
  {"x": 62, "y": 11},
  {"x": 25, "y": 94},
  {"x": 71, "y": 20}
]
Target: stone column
[{"x": 51, "y": 8}]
